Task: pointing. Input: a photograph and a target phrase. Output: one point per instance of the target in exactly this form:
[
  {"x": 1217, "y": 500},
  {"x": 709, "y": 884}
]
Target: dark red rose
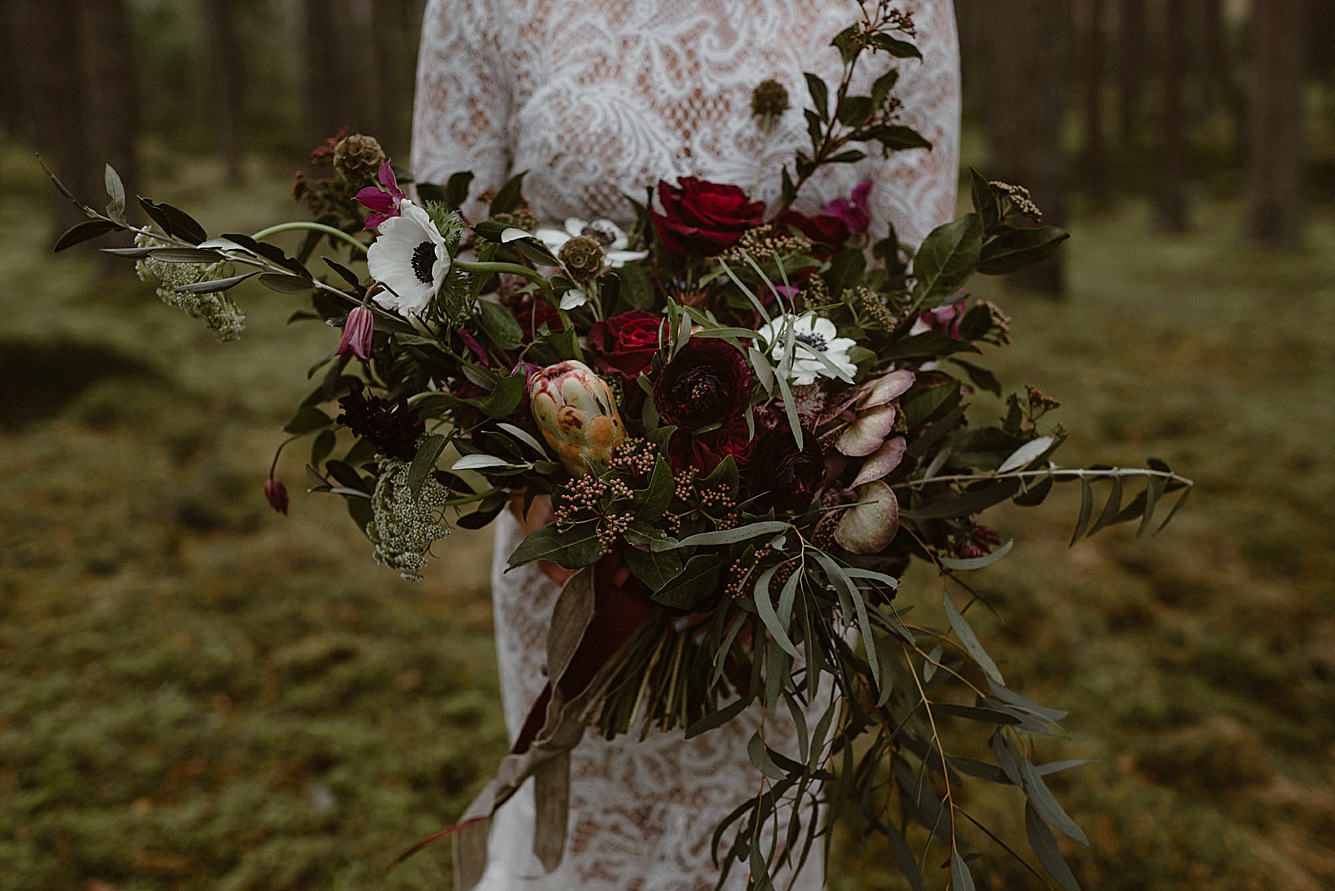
[
  {"x": 781, "y": 475},
  {"x": 707, "y": 451},
  {"x": 707, "y": 382},
  {"x": 824, "y": 231},
  {"x": 625, "y": 344},
  {"x": 701, "y": 218}
]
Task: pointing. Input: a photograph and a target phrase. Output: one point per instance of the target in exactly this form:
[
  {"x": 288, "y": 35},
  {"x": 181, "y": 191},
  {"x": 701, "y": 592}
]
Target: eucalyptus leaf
[{"x": 972, "y": 646}]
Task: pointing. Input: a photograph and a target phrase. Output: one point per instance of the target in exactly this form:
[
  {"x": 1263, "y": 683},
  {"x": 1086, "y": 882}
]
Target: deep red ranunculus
[
  {"x": 707, "y": 382},
  {"x": 626, "y": 344},
  {"x": 781, "y": 475},
  {"x": 701, "y": 218},
  {"x": 824, "y": 231},
  {"x": 707, "y": 451}
]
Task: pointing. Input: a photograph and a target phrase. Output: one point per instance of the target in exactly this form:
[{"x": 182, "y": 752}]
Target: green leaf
[
  {"x": 1044, "y": 844},
  {"x": 985, "y": 201},
  {"x": 820, "y": 94},
  {"x": 1026, "y": 454},
  {"x": 972, "y": 646},
  {"x": 855, "y": 111},
  {"x": 975, "y": 713},
  {"x": 1086, "y": 509},
  {"x": 696, "y": 581},
  {"x": 964, "y": 564},
  {"x": 765, "y": 609},
  {"x": 898, "y": 138},
  {"x": 508, "y": 198},
  {"x": 479, "y": 462},
  {"x": 174, "y": 221},
  {"x": 658, "y": 494},
  {"x": 655, "y": 569},
  {"x": 900, "y": 49},
  {"x": 218, "y": 284},
  {"x": 761, "y": 758},
  {"x": 456, "y": 189},
  {"x": 116, "y": 192},
  {"x": 505, "y": 398},
  {"x": 1017, "y": 248},
  {"x": 500, "y": 324},
  {"x": 85, "y": 231},
  {"x": 736, "y": 534},
  {"x": 960, "y": 877},
  {"x": 424, "y": 462},
  {"x": 307, "y": 420},
  {"x": 948, "y": 256},
  {"x": 185, "y": 255},
  {"x": 637, "y": 290},
  {"x": 720, "y": 717},
  {"x": 285, "y": 284},
  {"x": 880, "y": 89},
  {"x": 1111, "y": 507},
  {"x": 1042, "y": 799},
  {"x": 572, "y": 549}
]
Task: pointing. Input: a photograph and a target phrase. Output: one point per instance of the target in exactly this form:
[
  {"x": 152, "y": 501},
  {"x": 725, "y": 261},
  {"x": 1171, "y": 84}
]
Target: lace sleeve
[{"x": 462, "y": 109}]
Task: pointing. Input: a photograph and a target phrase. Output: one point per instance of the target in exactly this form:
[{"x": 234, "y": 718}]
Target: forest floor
[{"x": 199, "y": 693}]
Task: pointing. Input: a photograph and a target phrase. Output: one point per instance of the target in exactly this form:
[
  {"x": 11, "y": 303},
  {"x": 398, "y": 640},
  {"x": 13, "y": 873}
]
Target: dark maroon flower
[
  {"x": 702, "y": 218},
  {"x": 781, "y": 475},
  {"x": 276, "y": 494},
  {"x": 853, "y": 211},
  {"x": 827, "y": 234},
  {"x": 707, "y": 382},
  {"x": 392, "y": 428},
  {"x": 357, "y": 331},
  {"x": 625, "y": 345},
  {"x": 707, "y": 451}
]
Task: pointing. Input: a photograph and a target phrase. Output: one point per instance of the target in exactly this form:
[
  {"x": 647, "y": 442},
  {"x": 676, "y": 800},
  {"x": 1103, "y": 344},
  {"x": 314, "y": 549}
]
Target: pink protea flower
[
  {"x": 852, "y": 211},
  {"x": 357, "y": 332},
  {"x": 577, "y": 414},
  {"x": 383, "y": 202}
]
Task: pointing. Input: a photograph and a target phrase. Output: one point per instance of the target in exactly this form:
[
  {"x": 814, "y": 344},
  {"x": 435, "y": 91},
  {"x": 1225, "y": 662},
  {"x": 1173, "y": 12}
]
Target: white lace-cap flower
[
  {"x": 811, "y": 334},
  {"x": 607, "y": 233},
  {"x": 409, "y": 259}
]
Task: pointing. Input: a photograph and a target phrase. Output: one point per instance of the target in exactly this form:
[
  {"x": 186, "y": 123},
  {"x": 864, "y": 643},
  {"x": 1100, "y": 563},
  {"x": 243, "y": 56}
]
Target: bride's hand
[{"x": 539, "y": 514}]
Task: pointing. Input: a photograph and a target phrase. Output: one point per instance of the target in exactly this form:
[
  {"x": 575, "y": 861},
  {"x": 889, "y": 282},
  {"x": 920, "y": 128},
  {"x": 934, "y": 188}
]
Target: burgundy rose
[
  {"x": 702, "y": 218},
  {"x": 626, "y": 344},
  {"x": 707, "y": 382},
  {"x": 707, "y": 451},
  {"x": 828, "y": 234},
  {"x": 783, "y": 476}
]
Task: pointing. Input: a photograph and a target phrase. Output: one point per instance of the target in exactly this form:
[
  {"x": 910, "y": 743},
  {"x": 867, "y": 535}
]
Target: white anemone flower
[
  {"x": 812, "y": 335},
  {"x": 607, "y": 233},
  {"x": 409, "y": 259}
]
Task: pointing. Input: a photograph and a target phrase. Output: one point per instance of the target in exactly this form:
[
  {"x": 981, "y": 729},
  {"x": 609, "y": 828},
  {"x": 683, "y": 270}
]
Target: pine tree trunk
[
  {"x": 111, "y": 96},
  {"x": 1132, "y": 57},
  {"x": 1219, "y": 78},
  {"x": 1093, "y": 158},
  {"x": 1026, "y": 112},
  {"x": 225, "y": 80},
  {"x": 1276, "y": 211},
  {"x": 1170, "y": 202}
]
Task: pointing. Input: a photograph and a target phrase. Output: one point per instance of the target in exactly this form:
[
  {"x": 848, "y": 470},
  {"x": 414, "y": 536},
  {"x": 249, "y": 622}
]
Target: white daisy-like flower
[
  {"x": 812, "y": 336},
  {"x": 607, "y": 233},
  {"x": 409, "y": 259}
]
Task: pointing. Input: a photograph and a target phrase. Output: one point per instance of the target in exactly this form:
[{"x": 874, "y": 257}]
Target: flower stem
[
  {"x": 512, "y": 268},
  {"x": 313, "y": 227}
]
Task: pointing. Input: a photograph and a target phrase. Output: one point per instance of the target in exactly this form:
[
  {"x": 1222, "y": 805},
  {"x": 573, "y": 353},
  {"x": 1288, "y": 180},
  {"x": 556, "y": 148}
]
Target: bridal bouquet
[{"x": 741, "y": 423}]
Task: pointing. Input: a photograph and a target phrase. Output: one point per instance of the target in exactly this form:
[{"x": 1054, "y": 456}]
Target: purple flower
[
  {"x": 383, "y": 202},
  {"x": 357, "y": 331},
  {"x": 473, "y": 346},
  {"x": 852, "y": 211},
  {"x": 945, "y": 319}
]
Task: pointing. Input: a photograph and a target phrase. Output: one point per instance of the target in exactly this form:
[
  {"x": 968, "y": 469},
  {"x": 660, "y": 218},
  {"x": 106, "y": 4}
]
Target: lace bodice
[{"x": 597, "y": 99}]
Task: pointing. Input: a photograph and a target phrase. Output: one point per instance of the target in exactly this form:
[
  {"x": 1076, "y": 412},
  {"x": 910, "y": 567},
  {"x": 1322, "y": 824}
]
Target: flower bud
[
  {"x": 357, "y": 158},
  {"x": 582, "y": 257},
  {"x": 276, "y": 494},
  {"x": 769, "y": 99},
  {"x": 357, "y": 331},
  {"x": 577, "y": 414}
]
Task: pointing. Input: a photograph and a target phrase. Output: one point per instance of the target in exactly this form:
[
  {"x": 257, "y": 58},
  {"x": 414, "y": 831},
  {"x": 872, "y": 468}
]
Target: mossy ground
[{"x": 201, "y": 694}]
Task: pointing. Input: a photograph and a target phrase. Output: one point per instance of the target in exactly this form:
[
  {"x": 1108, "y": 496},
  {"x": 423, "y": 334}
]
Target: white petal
[
  {"x": 553, "y": 238},
  {"x": 617, "y": 259},
  {"x": 574, "y": 226},
  {"x": 573, "y": 299},
  {"x": 513, "y": 234}
]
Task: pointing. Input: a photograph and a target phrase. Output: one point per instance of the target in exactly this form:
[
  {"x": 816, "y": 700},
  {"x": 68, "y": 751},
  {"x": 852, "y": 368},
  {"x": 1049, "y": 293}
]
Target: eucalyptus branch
[{"x": 1052, "y": 472}]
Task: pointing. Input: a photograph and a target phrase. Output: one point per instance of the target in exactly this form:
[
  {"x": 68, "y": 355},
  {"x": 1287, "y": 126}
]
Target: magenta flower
[
  {"x": 357, "y": 331},
  {"x": 276, "y": 494},
  {"x": 383, "y": 202},
  {"x": 945, "y": 319},
  {"x": 852, "y": 211}
]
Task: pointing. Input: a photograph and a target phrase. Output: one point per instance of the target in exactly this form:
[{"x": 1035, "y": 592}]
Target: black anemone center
[
  {"x": 424, "y": 257},
  {"x": 813, "y": 340}
]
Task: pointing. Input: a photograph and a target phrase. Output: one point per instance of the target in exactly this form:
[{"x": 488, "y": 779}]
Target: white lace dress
[{"x": 597, "y": 99}]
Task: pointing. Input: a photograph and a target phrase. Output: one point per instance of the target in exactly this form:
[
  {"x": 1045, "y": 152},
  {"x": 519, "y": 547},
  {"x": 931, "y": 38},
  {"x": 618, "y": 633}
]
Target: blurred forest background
[{"x": 200, "y": 694}]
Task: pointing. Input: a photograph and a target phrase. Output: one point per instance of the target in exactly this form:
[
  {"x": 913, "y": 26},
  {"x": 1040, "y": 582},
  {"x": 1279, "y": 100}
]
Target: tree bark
[
  {"x": 1025, "y": 115},
  {"x": 1132, "y": 55},
  {"x": 225, "y": 78},
  {"x": 1276, "y": 210},
  {"x": 1093, "y": 157},
  {"x": 1170, "y": 202}
]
